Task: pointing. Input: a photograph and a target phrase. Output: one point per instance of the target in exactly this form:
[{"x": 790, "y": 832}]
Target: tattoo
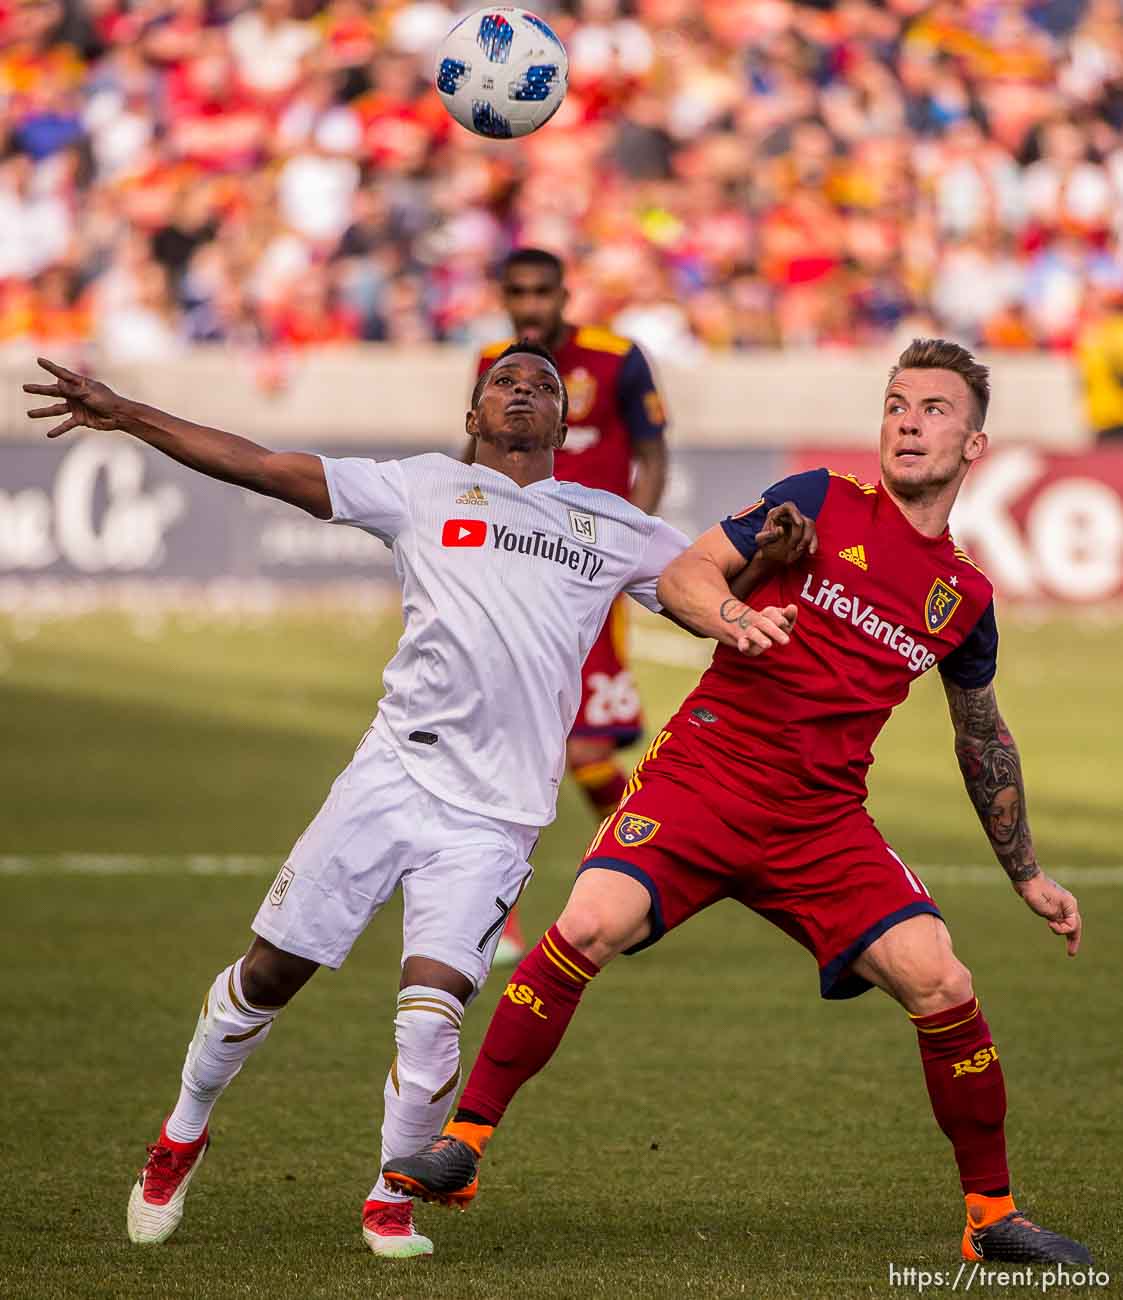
[
  {"x": 742, "y": 621},
  {"x": 992, "y": 772}
]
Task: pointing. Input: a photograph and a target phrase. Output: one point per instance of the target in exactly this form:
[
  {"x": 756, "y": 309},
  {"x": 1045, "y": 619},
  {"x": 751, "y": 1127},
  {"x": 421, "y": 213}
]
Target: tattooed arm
[{"x": 992, "y": 773}]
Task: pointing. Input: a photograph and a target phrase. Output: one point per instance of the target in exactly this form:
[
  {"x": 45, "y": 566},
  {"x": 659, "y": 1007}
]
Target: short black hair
[
  {"x": 515, "y": 349},
  {"x": 533, "y": 257}
]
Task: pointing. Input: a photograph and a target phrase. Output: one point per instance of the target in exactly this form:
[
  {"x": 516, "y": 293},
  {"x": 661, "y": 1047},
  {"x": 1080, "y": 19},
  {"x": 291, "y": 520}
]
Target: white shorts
[{"x": 460, "y": 872}]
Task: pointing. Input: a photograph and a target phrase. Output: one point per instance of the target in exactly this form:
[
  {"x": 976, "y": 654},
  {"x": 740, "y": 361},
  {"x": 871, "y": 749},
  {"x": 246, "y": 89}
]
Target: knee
[
  {"x": 594, "y": 933},
  {"x": 271, "y": 977},
  {"x": 943, "y": 984},
  {"x": 261, "y": 982}
]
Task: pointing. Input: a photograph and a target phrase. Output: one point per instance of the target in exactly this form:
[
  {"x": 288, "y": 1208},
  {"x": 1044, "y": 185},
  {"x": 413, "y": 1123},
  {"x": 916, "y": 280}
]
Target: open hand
[
  {"x": 84, "y": 401},
  {"x": 1056, "y": 905},
  {"x": 787, "y": 535}
]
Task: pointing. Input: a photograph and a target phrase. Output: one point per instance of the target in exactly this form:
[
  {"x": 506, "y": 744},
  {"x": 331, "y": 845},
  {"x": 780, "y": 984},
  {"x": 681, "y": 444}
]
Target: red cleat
[
  {"x": 388, "y": 1230},
  {"x": 156, "y": 1201}
]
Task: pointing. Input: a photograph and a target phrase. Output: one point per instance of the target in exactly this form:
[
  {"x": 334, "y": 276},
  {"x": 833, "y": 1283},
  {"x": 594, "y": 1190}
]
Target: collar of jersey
[
  {"x": 498, "y": 473},
  {"x": 895, "y": 512}
]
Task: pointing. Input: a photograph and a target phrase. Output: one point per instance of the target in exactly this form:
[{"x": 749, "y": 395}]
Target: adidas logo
[
  {"x": 855, "y": 554},
  {"x": 473, "y": 497}
]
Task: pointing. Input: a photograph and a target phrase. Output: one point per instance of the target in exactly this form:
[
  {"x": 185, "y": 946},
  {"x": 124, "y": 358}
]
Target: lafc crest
[
  {"x": 941, "y": 604},
  {"x": 632, "y": 830}
]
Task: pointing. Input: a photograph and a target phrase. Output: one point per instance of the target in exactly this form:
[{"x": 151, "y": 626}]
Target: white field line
[
  {"x": 138, "y": 864},
  {"x": 981, "y": 874},
  {"x": 255, "y": 864}
]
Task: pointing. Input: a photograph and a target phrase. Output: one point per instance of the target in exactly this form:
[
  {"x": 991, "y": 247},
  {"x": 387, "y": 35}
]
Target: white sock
[
  {"x": 421, "y": 1085},
  {"x": 229, "y": 1029}
]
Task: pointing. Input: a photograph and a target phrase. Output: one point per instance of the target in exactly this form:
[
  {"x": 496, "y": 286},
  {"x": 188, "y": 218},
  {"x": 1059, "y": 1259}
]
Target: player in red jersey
[
  {"x": 755, "y": 790},
  {"x": 615, "y": 442}
]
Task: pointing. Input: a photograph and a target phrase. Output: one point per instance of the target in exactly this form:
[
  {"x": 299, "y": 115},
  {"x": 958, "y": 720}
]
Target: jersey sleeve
[
  {"x": 367, "y": 494},
  {"x": 641, "y": 407},
  {"x": 807, "y": 491},
  {"x": 973, "y": 663},
  {"x": 662, "y": 546}
]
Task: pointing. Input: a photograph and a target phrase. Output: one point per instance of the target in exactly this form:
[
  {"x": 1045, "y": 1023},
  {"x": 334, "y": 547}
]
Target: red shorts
[
  {"x": 824, "y": 876},
  {"x": 610, "y": 705}
]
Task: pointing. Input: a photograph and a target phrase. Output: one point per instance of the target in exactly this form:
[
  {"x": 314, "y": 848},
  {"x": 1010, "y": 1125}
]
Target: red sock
[
  {"x": 603, "y": 783},
  {"x": 529, "y": 1022},
  {"x": 968, "y": 1092}
]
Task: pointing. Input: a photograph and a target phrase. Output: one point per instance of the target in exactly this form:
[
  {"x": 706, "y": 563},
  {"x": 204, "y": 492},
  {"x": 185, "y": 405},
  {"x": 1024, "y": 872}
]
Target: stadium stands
[{"x": 725, "y": 173}]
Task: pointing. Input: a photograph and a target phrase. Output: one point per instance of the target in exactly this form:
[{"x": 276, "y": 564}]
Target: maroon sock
[
  {"x": 968, "y": 1092},
  {"x": 529, "y": 1022}
]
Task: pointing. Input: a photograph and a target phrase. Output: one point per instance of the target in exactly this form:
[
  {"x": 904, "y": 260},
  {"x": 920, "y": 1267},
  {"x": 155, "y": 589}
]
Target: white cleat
[
  {"x": 388, "y": 1230},
  {"x": 156, "y": 1201}
]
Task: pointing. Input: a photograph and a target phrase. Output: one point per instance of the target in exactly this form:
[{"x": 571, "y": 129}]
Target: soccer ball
[{"x": 502, "y": 72}]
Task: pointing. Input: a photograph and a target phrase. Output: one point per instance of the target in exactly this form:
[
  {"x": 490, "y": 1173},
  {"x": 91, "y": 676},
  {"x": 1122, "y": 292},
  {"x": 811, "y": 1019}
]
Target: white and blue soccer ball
[{"x": 502, "y": 72}]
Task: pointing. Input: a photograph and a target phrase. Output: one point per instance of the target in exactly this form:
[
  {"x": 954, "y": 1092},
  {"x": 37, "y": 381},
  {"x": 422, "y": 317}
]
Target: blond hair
[{"x": 942, "y": 354}]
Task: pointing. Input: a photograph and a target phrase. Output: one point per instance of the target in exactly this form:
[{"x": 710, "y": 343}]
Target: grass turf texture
[{"x": 709, "y": 1127}]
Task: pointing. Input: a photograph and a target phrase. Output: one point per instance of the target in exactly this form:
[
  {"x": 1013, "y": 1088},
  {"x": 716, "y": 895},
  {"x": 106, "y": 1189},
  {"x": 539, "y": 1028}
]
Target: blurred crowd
[{"x": 727, "y": 173}]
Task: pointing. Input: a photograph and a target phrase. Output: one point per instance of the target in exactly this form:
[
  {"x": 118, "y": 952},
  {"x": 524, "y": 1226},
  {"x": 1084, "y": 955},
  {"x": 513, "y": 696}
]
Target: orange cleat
[
  {"x": 996, "y": 1230},
  {"x": 446, "y": 1171}
]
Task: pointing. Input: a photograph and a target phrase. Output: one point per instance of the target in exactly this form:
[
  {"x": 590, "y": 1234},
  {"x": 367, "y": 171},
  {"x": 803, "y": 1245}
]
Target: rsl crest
[
  {"x": 941, "y": 604},
  {"x": 582, "y": 390},
  {"x": 632, "y": 829}
]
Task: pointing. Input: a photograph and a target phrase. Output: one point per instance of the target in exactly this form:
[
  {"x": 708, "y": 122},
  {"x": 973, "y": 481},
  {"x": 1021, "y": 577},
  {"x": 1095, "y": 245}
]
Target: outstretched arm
[
  {"x": 295, "y": 477},
  {"x": 992, "y": 773}
]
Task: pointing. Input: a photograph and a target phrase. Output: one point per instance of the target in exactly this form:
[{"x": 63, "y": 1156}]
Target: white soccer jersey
[{"x": 504, "y": 590}]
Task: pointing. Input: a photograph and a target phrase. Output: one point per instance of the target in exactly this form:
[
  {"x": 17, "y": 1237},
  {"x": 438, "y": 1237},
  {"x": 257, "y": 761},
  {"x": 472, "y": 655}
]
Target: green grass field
[{"x": 710, "y": 1128}]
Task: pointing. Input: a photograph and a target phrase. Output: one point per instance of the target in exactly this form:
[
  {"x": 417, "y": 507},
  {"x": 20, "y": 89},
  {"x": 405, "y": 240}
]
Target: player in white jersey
[{"x": 507, "y": 577}]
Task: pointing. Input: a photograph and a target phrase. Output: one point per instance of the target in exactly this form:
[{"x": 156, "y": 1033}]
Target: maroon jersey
[
  {"x": 613, "y": 404},
  {"x": 878, "y": 605}
]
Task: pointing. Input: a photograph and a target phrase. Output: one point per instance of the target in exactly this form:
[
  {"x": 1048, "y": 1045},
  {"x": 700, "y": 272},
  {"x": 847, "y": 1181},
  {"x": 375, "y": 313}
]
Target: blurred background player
[{"x": 616, "y": 441}]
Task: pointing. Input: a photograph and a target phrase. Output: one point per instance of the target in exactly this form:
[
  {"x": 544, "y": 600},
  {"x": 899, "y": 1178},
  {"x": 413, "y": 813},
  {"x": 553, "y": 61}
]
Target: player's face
[
  {"x": 520, "y": 406},
  {"x": 535, "y": 299},
  {"x": 928, "y": 432}
]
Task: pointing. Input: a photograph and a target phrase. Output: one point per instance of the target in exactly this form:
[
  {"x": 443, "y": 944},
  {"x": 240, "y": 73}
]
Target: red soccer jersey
[
  {"x": 613, "y": 404},
  {"x": 878, "y": 605}
]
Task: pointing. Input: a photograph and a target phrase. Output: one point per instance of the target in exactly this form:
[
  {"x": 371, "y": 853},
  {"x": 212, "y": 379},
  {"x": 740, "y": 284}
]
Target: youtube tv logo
[{"x": 464, "y": 532}]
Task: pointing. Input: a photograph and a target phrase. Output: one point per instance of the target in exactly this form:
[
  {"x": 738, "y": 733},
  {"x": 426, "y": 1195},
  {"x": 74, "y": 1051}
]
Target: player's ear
[
  {"x": 975, "y": 445},
  {"x": 472, "y": 423},
  {"x": 559, "y": 436}
]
